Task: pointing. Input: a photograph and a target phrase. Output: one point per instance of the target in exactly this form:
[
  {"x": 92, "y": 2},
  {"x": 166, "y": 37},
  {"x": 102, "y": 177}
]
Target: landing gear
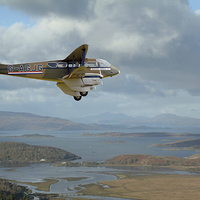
[
  {"x": 77, "y": 98},
  {"x": 84, "y": 94}
]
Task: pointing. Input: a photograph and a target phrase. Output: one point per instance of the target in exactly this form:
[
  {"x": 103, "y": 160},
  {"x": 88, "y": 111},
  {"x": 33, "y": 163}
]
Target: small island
[
  {"x": 12, "y": 152},
  {"x": 120, "y": 134},
  {"x": 30, "y": 136},
  {"x": 117, "y": 142},
  {"x": 139, "y": 134}
]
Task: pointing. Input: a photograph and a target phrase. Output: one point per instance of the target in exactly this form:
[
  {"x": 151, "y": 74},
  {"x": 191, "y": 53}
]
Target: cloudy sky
[{"x": 155, "y": 44}]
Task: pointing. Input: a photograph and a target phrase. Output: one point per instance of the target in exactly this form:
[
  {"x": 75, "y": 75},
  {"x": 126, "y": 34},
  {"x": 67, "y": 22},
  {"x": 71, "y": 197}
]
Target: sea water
[{"x": 97, "y": 148}]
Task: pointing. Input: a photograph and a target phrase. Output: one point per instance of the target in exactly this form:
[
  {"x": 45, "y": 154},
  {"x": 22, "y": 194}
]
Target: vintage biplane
[{"x": 75, "y": 75}]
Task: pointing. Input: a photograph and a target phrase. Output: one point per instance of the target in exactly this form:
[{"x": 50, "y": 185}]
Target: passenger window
[
  {"x": 90, "y": 64},
  {"x": 61, "y": 64},
  {"x": 75, "y": 65}
]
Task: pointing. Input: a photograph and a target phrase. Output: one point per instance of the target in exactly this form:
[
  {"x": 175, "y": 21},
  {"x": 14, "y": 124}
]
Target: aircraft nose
[{"x": 114, "y": 70}]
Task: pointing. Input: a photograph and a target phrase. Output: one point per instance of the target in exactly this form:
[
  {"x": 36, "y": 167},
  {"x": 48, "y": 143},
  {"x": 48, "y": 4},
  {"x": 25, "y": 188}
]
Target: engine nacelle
[{"x": 91, "y": 79}]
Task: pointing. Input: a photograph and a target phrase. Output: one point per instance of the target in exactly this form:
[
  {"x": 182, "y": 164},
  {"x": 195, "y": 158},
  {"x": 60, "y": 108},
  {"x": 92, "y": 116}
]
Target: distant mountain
[
  {"x": 162, "y": 120},
  {"x": 168, "y": 120},
  {"x": 11, "y": 121},
  {"x": 105, "y": 118}
]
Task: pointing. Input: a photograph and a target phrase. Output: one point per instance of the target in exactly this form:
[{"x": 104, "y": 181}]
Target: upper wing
[
  {"x": 77, "y": 73},
  {"x": 77, "y": 54}
]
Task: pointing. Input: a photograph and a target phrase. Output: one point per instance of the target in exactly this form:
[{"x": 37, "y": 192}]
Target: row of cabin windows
[
  {"x": 64, "y": 64},
  {"x": 87, "y": 64}
]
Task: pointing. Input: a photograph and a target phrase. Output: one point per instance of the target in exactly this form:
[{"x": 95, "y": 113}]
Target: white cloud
[
  {"x": 197, "y": 12},
  {"x": 155, "y": 44}
]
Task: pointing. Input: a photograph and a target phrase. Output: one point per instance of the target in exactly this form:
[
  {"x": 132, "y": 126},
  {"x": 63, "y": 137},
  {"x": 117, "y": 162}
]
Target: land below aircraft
[{"x": 75, "y": 75}]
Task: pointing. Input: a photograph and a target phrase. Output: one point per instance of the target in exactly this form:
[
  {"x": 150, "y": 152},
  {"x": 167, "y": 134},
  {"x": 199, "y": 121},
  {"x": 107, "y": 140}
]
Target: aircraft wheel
[
  {"x": 77, "y": 98},
  {"x": 83, "y": 94}
]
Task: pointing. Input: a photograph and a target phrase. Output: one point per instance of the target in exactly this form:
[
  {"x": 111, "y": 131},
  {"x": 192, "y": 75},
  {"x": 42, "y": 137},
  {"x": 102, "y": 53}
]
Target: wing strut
[
  {"x": 83, "y": 58},
  {"x": 72, "y": 63}
]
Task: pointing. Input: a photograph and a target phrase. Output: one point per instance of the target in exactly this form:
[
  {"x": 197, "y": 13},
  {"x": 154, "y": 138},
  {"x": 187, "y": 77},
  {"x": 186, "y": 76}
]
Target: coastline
[{"x": 89, "y": 145}]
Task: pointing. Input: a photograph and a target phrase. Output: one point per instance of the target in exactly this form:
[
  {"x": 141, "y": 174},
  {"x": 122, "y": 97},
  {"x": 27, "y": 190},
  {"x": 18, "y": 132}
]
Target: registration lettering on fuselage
[{"x": 25, "y": 69}]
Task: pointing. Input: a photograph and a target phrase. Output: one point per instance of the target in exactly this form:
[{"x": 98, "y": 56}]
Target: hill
[
  {"x": 12, "y": 190},
  {"x": 23, "y": 153},
  {"x": 192, "y": 162}
]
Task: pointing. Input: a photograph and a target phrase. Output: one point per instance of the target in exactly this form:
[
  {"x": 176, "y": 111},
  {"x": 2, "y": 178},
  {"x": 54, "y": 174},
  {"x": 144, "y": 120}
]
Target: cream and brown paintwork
[{"x": 75, "y": 75}]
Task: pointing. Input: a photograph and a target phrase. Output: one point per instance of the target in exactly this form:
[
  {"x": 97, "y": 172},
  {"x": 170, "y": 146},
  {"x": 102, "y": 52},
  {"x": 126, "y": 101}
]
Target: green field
[{"x": 151, "y": 186}]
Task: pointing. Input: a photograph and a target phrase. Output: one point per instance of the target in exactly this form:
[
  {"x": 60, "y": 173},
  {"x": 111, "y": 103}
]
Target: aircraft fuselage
[
  {"x": 75, "y": 75},
  {"x": 55, "y": 70}
]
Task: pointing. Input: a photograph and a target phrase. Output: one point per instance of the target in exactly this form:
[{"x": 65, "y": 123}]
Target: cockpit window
[{"x": 103, "y": 63}]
